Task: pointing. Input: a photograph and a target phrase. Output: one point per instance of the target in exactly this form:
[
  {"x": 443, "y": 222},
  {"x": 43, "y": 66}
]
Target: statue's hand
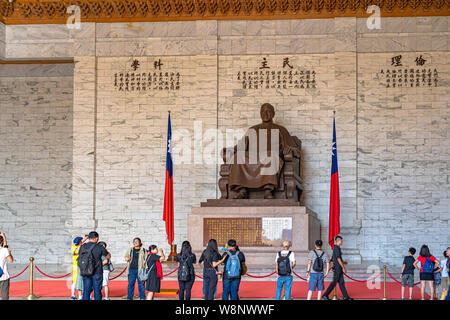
[
  {"x": 291, "y": 150},
  {"x": 227, "y": 153},
  {"x": 223, "y": 153}
]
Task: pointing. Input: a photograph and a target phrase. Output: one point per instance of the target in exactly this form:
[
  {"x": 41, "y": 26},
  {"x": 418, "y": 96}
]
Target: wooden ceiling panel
[{"x": 55, "y": 11}]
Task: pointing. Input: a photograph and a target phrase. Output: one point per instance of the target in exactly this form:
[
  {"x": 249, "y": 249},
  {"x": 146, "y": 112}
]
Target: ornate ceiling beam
[
  {"x": 38, "y": 61},
  {"x": 55, "y": 11}
]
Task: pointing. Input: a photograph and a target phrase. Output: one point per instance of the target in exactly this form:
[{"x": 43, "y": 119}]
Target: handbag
[
  {"x": 111, "y": 267},
  {"x": 244, "y": 268}
]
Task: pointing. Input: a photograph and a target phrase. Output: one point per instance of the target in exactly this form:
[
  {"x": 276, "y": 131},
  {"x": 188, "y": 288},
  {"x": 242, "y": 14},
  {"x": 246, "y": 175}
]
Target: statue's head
[{"x": 267, "y": 112}]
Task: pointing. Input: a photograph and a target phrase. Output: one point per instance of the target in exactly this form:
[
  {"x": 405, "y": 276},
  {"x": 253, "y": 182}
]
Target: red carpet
[{"x": 248, "y": 289}]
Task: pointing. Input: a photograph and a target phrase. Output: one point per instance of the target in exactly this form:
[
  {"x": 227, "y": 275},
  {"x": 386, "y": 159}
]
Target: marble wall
[
  {"x": 2, "y": 40},
  {"x": 131, "y": 148},
  {"x": 36, "y": 159},
  {"x": 392, "y": 144},
  {"x": 403, "y": 154}
]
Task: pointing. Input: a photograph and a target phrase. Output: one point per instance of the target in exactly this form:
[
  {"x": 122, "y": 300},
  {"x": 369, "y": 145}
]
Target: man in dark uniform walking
[{"x": 338, "y": 271}]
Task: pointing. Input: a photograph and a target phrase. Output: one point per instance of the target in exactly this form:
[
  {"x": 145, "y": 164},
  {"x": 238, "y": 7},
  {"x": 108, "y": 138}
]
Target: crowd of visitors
[
  {"x": 92, "y": 266},
  {"x": 144, "y": 267}
]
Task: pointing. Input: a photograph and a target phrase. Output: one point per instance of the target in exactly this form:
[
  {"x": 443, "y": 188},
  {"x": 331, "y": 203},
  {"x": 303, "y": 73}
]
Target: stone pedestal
[{"x": 304, "y": 222}]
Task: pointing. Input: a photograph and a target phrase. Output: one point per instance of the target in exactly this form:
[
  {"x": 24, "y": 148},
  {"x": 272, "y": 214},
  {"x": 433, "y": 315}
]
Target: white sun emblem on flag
[
  {"x": 169, "y": 146},
  {"x": 333, "y": 148}
]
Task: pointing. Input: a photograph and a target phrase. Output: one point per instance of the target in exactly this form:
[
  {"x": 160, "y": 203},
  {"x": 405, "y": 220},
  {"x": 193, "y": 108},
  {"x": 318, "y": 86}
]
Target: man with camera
[{"x": 5, "y": 256}]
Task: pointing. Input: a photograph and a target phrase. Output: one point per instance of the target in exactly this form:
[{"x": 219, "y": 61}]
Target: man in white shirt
[
  {"x": 284, "y": 263},
  {"x": 5, "y": 256}
]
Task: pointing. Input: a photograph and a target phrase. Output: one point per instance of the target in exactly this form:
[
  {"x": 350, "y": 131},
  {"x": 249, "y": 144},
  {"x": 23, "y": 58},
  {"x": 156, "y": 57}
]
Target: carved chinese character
[
  {"x": 396, "y": 61},
  {"x": 264, "y": 64},
  {"x": 157, "y": 64},
  {"x": 286, "y": 63},
  {"x": 135, "y": 64},
  {"x": 420, "y": 61}
]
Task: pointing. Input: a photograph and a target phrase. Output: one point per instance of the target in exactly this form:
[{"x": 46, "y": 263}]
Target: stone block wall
[
  {"x": 392, "y": 144},
  {"x": 403, "y": 155},
  {"x": 2, "y": 40},
  {"x": 131, "y": 148},
  {"x": 36, "y": 159}
]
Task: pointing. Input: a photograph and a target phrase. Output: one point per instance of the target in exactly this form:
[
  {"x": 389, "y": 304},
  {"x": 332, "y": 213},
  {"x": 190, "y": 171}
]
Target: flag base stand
[
  {"x": 172, "y": 258},
  {"x": 303, "y": 221}
]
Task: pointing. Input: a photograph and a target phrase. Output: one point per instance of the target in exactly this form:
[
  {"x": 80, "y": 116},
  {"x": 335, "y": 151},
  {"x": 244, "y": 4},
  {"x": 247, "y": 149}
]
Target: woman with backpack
[
  {"x": 154, "y": 268},
  {"x": 232, "y": 271},
  {"x": 427, "y": 262},
  {"x": 211, "y": 259},
  {"x": 186, "y": 277}
]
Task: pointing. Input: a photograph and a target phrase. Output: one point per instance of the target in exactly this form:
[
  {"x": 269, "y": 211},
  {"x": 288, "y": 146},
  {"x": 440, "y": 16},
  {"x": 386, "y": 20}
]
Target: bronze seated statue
[{"x": 278, "y": 178}]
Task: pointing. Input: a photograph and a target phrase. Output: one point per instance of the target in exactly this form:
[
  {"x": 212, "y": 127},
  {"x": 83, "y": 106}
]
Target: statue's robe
[{"x": 249, "y": 175}]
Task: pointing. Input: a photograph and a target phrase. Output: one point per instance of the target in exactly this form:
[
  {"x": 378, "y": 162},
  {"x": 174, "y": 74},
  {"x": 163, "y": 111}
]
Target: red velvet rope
[
  {"x": 363, "y": 280},
  {"x": 399, "y": 281},
  {"x": 260, "y": 276},
  {"x": 251, "y": 276},
  {"x": 126, "y": 269},
  {"x": 307, "y": 279},
  {"x": 52, "y": 276},
  {"x": 299, "y": 276},
  {"x": 119, "y": 274},
  {"x": 19, "y": 273},
  {"x": 171, "y": 272}
]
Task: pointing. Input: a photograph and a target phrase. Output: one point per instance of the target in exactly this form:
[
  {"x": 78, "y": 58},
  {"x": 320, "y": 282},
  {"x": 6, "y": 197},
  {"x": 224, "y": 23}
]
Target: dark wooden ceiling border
[
  {"x": 41, "y": 61},
  {"x": 55, "y": 11}
]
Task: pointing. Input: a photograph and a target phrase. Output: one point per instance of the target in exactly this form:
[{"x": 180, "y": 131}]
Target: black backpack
[
  {"x": 184, "y": 272},
  {"x": 318, "y": 263},
  {"x": 284, "y": 264},
  {"x": 86, "y": 262}
]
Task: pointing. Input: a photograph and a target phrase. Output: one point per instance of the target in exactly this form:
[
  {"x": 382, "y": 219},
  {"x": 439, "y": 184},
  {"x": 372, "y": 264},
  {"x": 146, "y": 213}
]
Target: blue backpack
[
  {"x": 437, "y": 278},
  {"x": 233, "y": 266},
  {"x": 428, "y": 266}
]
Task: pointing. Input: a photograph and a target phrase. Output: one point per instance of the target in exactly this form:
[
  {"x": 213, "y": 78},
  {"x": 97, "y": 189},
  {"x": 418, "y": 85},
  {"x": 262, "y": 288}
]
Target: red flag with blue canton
[
  {"x": 334, "y": 225},
  {"x": 168, "y": 193}
]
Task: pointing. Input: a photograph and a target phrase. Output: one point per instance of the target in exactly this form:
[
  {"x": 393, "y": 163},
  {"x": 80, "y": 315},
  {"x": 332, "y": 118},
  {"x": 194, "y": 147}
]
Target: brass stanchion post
[
  {"x": 335, "y": 296},
  {"x": 31, "y": 295},
  {"x": 384, "y": 285}
]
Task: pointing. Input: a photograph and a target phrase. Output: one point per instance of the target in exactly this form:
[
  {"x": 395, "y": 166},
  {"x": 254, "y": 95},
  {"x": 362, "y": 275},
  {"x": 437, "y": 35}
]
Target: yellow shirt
[{"x": 75, "y": 249}]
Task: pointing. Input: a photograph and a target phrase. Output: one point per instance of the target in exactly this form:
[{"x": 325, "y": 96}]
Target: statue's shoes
[
  {"x": 268, "y": 195},
  {"x": 240, "y": 195}
]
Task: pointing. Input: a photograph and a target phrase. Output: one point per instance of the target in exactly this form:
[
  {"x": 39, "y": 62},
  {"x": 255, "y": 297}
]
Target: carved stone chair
[{"x": 289, "y": 186}]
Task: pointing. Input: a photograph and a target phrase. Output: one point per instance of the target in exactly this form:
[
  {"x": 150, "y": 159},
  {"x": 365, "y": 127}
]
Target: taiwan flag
[
  {"x": 168, "y": 193},
  {"x": 334, "y": 225}
]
